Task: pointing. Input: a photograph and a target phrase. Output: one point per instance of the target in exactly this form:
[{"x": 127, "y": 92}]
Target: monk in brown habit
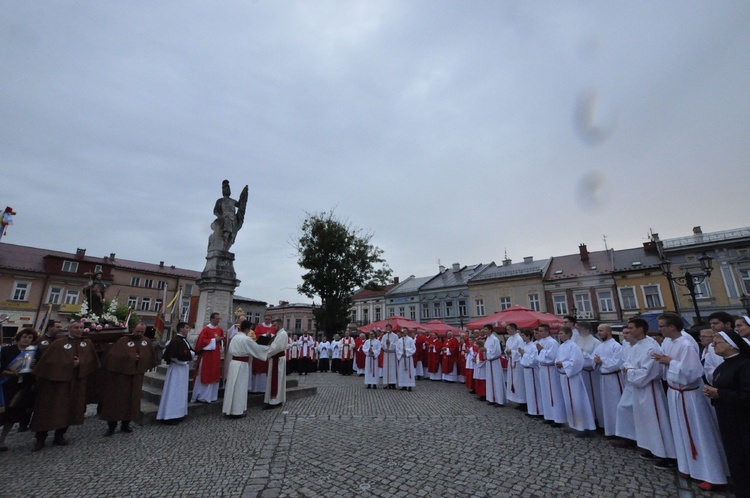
[
  {"x": 61, "y": 385},
  {"x": 130, "y": 357}
]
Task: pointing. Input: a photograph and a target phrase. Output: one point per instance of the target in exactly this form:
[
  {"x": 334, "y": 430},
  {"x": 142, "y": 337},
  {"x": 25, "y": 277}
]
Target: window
[
  {"x": 365, "y": 315},
  {"x": 162, "y": 285},
  {"x": 436, "y": 310},
  {"x": 462, "y": 307},
  {"x": 288, "y": 323},
  {"x": 583, "y": 302},
  {"x": 71, "y": 297},
  {"x": 186, "y": 310},
  {"x": 401, "y": 311},
  {"x": 21, "y": 291},
  {"x": 353, "y": 318},
  {"x": 146, "y": 304},
  {"x": 561, "y": 304},
  {"x": 70, "y": 266},
  {"x": 97, "y": 268},
  {"x": 391, "y": 312},
  {"x": 55, "y": 293},
  {"x": 628, "y": 299},
  {"x": 377, "y": 313},
  {"x": 606, "y": 303},
  {"x": 135, "y": 281},
  {"x": 309, "y": 324},
  {"x": 413, "y": 313},
  {"x": 702, "y": 289},
  {"x": 449, "y": 308},
  {"x": 188, "y": 290},
  {"x": 534, "y": 302},
  {"x": 504, "y": 303},
  {"x": 297, "y": 324},
  {"x": 148, "y": 283},
  {"x": 425, "y": 310},
  {"x": 479, "y": 304},
  {"x": 133, "y": 302},
  {"x": 729, "y": 282},
  {"x": 652, "y": 296},
  {"x": 745, "y": 276},
  {"x": 157, "y": 305}
]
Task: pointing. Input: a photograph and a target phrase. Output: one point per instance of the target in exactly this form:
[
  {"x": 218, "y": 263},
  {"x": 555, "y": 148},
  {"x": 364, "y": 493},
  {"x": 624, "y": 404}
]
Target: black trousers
[{"x": 324, "y": 364}]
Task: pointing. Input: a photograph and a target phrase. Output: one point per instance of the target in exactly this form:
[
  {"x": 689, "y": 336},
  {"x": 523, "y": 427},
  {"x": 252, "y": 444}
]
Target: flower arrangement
[{"x": 113, "y": 316}]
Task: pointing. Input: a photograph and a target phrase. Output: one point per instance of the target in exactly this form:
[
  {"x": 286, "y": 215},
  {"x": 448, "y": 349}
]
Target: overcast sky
[{"x": 452, "y": 130}]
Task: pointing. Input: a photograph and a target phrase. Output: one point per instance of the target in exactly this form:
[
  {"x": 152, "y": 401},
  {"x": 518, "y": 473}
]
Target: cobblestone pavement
[{"x": 346, "y": 441}]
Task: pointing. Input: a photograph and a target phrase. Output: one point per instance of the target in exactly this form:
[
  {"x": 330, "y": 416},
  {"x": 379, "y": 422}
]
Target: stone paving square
[{"x": 346, "y": 441}]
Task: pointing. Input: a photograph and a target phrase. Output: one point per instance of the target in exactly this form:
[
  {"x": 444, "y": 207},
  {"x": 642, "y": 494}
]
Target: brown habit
[{"x": 130, "y": 357}]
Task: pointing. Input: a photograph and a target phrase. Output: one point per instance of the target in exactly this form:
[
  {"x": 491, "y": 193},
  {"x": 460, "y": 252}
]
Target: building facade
[
  {"x": 297, "y": 318},
  {"x": 445, "y": 296},
  {"x": 497, "y": 288}
]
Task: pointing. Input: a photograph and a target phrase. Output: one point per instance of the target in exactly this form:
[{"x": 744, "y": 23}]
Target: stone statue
[
  {"x": 94, "y": 292},
  {"x": 228, "y": 221}
]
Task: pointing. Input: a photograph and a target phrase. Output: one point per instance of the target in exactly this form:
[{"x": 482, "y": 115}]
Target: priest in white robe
[
  {"x": 530, "y": 365},
  {"x": 405, "y": 372},
  {"x": 653, "y": 431},
  {"x": 608, "y": 362},
  {"x": 242, "y": 349},
  {"x": 588, "y": 342},
  {"x": 173, "y": 405},
  {"x": 569, "y": 362},
  {"x": 700, "y": 452},
  {"x": 276, "y": 380},
  {"x": 515, "y": 387},
  {"x": 371, "y": 348},
  {"x": 495, "y": 378},
  {"x": 552, "y": 400},
  {"x": 388, "y": 345}
]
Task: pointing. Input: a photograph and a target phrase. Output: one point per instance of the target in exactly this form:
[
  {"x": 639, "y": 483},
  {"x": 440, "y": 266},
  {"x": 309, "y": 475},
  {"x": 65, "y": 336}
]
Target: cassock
[
  {"x": 292, "y": 356},
  {"x": 208, "y": 365},
  {"x": 495, "y": 377},
  {"x": 591, "y": 379},
  {"x": 419, "y": 356},
  {"x": 610, "y": 383},
  {"x": 696, "y": 432},
  {"x": 276, "y": 383},
  {"x": 174, "y": 398},
  {"x": 259, "y": 368},
  {"x": 471, "y": 354},
  {"x": 336, "y": 355},
  {"x": 578, "y": 409},
  {"x": 388, "y": 344},
  {"x": 242, "y": 348},
  {"x": 434, "y": 370},
  {"x": 324, "y": 355},
  {"x": 553, "y": 406},
  {"x": 533, "y": 388},
  {"x": 652, "y": 431},
  {"x": 515, "y": 387},
  {"x": 359, "y": 355},
  {"x": 732, "y": 380},
  {"x": 449, "y": 359},
  {"x": 405, "y": 349},
  {"x": 371, "y": 349},
  {"x": 305, "y": 344},
  {"x": 60, "y": 387},
  {"x": 480, "y": 375},
  {"x": 625, "y": 425},
  {"x": 347, "y": 356},
  {"x": 461, "y": 362},
  {"x": 125, "y": 363}
]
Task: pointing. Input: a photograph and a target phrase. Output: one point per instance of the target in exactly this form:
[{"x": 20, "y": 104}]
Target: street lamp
[
  {"x": 689, "y": 280},
  {"x": 745, "y": 300}
]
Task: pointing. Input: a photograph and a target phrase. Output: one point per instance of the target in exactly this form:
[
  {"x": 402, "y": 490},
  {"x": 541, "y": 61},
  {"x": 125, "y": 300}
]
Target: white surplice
[
  {"x": 625, "y": 424},
  {"x": 515, "y": 388},
  {"x": 388, "y": 346},
  {"x": 277, "y": 367},
  {"x": 533, "y": 388},
  {"x": 405, "y": 373},
  {"x": 371, "y": 348},
  {"x": 235, "y": 389},
  {"x": 578, "y": 409},
  {"x": 610, "y": 383},
  {"x": 591, "y": 380},
  {"x": 494, "y": 371},
  {"x": 552, "y": 400}
]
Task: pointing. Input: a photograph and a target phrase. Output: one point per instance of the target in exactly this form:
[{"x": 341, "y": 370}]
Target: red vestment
[
  {"x": 419, "y": 343},
  {"x": 260, "y": 366},
  {"x": 433, "y": 354},
  {"x": 469, "y": 372},
  {"x": 449, "y": 360},
  {"x": 210, "y": 360},
  {"x": 462, "y": 356},
  {"x": 359, "y": 356},
  {"x": 480, "y": 385}
]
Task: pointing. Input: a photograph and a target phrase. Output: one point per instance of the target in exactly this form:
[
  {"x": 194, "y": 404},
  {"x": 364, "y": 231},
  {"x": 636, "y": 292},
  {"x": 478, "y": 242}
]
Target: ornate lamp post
[
  {"x": 689, "y": 280},
  {"x": 745, "y": 300}
]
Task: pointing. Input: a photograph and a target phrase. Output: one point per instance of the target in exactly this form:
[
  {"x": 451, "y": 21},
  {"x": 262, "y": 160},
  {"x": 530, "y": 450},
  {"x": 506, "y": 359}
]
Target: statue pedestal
[{"x": 217, "y": 284}]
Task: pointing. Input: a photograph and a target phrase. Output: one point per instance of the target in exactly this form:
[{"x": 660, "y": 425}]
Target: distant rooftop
[{"x": 704, "y": 238}]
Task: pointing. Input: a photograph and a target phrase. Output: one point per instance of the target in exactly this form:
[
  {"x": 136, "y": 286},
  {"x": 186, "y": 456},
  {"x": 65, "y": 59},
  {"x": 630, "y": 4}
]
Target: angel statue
[{"x": 227, "y": 222}]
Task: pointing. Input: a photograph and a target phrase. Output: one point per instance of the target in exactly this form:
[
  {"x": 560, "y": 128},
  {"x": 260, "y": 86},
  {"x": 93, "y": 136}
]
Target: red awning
[{"x": 525, "y": 318}]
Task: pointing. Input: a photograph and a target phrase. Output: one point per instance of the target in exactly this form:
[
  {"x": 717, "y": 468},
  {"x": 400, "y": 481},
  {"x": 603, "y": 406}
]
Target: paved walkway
[{"x": 346, "y": 441}]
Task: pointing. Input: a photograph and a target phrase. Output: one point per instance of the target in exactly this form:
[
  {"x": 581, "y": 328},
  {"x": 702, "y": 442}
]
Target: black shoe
[
  {"x": 60, "y": 441},
  {"x": 555, "y": 425},
  {"x": 623, "y": 443},
  {"x": 171, "y": 421},
  {"x": 548, "y": 422},
  {"x": 648, "y": 456},
  {"x": 665, "y": 464},
  {"x": 369, "y": 386},
  {"x": 408, "y": 389},
  {"x": 109, "y": 432},
  {"x": 482, "y": 398},
  {"x": 472, "y": 391},
  {"x": 125, "y": 428},
  {"x": 38, "y": 445},
  {"x": 582, "y": 434},
  {"x": 271, "y": 407}
]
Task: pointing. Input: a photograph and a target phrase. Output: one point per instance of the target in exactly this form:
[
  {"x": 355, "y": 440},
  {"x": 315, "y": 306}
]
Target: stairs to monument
[{"x": 153, "y": 384}]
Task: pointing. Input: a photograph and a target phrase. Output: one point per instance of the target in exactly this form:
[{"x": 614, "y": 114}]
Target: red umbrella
[
  {"x": 525, "y": 318},
  {"x": 397, "y": 322},
  {"x": 441, "y": 328}
]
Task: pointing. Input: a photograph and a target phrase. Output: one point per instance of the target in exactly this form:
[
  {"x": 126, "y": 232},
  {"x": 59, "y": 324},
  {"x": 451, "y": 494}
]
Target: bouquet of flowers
[{"x": 110, "y": 317}]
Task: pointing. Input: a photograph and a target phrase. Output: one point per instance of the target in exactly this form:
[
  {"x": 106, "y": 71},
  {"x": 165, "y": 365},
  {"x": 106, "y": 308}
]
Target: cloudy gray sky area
[{"x": 451, "y": 130}]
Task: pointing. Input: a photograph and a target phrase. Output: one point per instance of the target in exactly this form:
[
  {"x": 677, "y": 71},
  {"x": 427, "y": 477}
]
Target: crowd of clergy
[{"x": 691, "y": 402}]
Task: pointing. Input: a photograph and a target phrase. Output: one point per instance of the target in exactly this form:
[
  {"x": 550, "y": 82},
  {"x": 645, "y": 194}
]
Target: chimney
[
  {"x": 395, "y": 280},
  {"x": 584, "y": 252},
  {"x": 697, "y": 230},
  {"x": 456, "y": 267},
  {"x": 528, "y": 259},
  {"x": 507, "y": 262},
  {"x": 161, "y": 264},
  {"x": 112, "y": 256},
  {"x": 80, "y": 252},
  {"x": 650, "y": 247},
  {"x": 442, "y": 268}
]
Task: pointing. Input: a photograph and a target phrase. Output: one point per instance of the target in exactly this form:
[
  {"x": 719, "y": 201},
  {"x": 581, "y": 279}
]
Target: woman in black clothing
[{"x": 16, "y": 386}]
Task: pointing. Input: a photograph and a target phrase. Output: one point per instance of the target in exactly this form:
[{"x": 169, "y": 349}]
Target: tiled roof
[
  {"x": 512, "y": 270},
  {"x": 369, "y": 294},
  {"x": 409, "y": 286},
  {"x": 451, "y": 278},
  {"x": 569, "y": 266},
  {"x": 635, "y": 258},
  {"x": 248, "y": 300},
  {"x": 705, "y": 238}
]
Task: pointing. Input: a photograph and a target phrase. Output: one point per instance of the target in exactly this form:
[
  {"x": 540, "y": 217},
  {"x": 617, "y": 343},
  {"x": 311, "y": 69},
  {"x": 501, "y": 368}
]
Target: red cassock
[
  {"x": 462, "y": 356},
  {"x": 480, "y": 385},
  {"x": 433, "y": 354},
  {"x": 449, "y": 360},
  {"x": 260, "y": 366},
  {"x": 469, "y": 372},
  {"x": 359, "y": 356},
  {"x": 211, "y": 360},
  {"x": 419, "y": 343}
]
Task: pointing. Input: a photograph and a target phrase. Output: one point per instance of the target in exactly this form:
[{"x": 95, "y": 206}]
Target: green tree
[{"x": 339, "y": 259}]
